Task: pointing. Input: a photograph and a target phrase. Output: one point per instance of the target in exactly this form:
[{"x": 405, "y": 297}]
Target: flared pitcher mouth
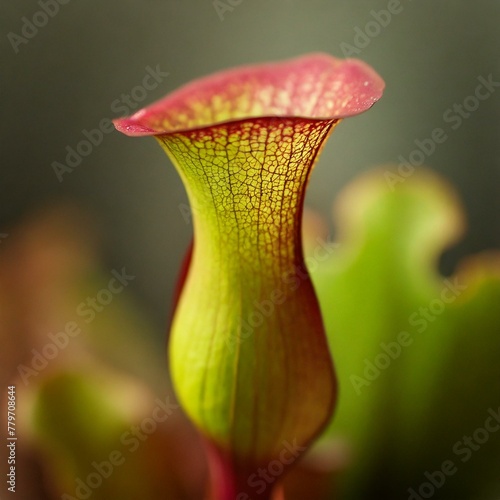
[{"x": 311, "y": 87}]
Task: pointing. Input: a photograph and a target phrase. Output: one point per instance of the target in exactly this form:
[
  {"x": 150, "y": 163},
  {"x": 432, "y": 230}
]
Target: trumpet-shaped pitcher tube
[{"x": 249, "y": 357}]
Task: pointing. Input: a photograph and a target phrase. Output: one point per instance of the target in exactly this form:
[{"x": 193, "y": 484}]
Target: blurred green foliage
[{"x": 417, "y": 353}]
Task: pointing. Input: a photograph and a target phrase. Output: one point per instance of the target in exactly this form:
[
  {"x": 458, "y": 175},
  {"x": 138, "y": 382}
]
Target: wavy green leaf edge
[{"x": 416, "y": 352}]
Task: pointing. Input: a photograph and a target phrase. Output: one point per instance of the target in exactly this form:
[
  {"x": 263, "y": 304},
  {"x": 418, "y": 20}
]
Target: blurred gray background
[{"x": 66, "y": 77}]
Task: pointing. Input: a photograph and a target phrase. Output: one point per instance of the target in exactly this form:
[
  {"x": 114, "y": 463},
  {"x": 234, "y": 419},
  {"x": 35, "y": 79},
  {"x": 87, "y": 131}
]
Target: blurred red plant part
[
  {"x": 81, "y": 418},
  {"x": 39, "y": 259},
  {"x": 181, "y": 279}
]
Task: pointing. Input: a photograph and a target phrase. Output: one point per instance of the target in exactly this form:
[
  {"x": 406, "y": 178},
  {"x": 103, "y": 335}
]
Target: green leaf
[{"x": 416, "y": 353}]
